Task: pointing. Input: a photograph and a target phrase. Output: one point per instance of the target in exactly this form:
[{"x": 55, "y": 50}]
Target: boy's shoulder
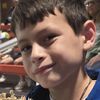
[
  {"x": 95, "y": 75},
  {"x": 38, "y": 93}
]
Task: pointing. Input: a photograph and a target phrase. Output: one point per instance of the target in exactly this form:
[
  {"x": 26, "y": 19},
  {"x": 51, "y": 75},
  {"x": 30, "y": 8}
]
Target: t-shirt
[{"x": 40, "y": 93}]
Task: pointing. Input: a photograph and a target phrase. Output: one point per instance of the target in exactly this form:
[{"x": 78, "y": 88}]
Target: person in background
[
  {"x": 9, "y": 16},
  {"x": 14, "y": 57},
  {"x": 25, "y": 82},
  {"x": 8, "y": 58},
  {"x": 93, "y": 55},
  {"x": 54, "y": 37},
  {"x": 4, "y": 36}
]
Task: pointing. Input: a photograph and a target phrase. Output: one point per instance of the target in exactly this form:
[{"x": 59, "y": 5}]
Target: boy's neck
[{"x": 72, "y": 88}]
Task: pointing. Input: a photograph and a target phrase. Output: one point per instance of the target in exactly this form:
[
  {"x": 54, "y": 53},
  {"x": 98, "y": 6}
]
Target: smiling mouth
[{"x": 43, "y": 69}]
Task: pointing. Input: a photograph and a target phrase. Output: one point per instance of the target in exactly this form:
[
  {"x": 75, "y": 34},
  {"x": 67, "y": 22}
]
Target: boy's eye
[
  {"x": 48, "y": 39},
  {"x": 26, "y": 49}
]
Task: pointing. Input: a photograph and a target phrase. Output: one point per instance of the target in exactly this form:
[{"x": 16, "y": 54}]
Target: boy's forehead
[
  {"x": 45, "y": 23},
  {"x": 51, "y": 22}
]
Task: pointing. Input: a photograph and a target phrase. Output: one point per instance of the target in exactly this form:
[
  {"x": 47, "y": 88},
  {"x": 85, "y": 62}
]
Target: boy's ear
[{"x": 89, "y": 32}]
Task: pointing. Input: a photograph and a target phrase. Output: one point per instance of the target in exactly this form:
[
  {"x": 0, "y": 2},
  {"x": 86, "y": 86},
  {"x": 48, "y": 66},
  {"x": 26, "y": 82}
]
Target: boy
[{"x": 54, "y": 36}]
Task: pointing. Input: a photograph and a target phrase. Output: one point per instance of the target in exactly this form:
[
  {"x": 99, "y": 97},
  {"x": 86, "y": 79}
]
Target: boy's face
[{"x": 51, "y": 51}]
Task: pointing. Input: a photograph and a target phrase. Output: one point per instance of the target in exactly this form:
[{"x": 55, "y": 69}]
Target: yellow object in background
[{"x": 5, "y": 35}]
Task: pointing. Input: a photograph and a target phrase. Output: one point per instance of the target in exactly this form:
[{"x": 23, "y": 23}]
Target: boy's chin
[{"x": 49, "y": 85}]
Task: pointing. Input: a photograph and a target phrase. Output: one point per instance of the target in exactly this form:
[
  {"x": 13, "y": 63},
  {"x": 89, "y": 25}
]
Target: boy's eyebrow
[
  {"x": 43, "y": 30},
  {"x": 46, "y": 30},
  {"x": 20, "y": 41}
]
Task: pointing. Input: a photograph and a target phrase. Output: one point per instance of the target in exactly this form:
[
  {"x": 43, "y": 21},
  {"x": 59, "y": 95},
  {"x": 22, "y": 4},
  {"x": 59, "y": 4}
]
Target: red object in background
[
  {"x": 12, "y": 69},
  {"x": 5, "y": 27}
]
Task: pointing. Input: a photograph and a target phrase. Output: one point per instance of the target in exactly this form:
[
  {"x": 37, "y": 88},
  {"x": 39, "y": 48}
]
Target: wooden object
[{"x": 12, "y": 69}]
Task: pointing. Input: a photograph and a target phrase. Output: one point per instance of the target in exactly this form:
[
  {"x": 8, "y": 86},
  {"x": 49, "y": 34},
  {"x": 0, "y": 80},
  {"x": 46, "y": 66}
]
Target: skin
[
  {"x": 53, "y": 55},
  {"x": 18, "y": 61},
  {"x": 6, "y": 59}
]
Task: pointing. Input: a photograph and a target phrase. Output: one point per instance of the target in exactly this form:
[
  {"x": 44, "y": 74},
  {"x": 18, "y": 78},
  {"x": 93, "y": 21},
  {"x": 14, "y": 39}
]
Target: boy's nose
[{"x": 38, "y": 54}]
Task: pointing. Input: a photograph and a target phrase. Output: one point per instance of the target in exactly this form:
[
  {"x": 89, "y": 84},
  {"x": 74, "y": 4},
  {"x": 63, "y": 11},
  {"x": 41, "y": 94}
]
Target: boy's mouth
[{"x": 42, "y": 69}]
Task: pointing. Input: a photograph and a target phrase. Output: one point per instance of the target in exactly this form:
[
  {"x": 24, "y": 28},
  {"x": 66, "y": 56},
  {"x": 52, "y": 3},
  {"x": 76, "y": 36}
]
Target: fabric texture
[
  {"x": 38, "y": 93},
  {"x": 94, "y": 73}
]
